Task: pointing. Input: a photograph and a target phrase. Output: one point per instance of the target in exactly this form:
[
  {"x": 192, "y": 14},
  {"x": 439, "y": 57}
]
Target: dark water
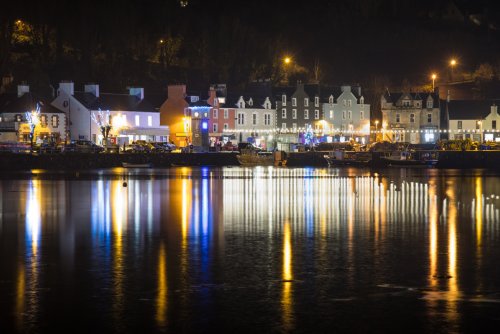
[{"x": 250, "y": 250}]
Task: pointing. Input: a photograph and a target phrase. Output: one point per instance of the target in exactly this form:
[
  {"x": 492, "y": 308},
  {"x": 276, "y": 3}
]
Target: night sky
[{"x": 116, "y": 43}]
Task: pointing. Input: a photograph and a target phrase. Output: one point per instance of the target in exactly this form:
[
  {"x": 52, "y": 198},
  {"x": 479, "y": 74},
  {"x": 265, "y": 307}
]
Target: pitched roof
[
  {"x": 11, "y": 103},
  {"x": 107, "y": 101},
  {"x": 470, "y": 109},
  {"x": 394, "y": 97}
]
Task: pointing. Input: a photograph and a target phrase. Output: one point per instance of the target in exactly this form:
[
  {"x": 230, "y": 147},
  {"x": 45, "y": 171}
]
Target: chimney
[
  {"x": 345, "y": 88},
  {"x": 67, "y": 86},
  {"x": 22, "y": 89},
  {"x": 137, "y": 91},
  {"x": 176, "y": 91},
  {"x": 92, "y": 88},
  {"x": 494, "y": 109}
]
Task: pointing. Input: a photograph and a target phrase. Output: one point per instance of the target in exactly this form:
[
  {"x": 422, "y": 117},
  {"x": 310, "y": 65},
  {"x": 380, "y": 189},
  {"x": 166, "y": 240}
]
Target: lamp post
[
  {"x": 453, "y": 63},
  {"x": 433, "y": 76},
  {"x": 376, "y": 127}
]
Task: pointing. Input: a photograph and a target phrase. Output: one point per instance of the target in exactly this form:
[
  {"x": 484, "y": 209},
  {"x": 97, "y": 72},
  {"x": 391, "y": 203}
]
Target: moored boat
[
  {"x": 348, "y": 158},
  {"x": 255, "y": 159}
]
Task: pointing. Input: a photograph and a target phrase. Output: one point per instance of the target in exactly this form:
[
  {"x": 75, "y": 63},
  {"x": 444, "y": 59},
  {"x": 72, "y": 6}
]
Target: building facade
[
  {"x": 473, "y": 119},
  {"x": 347, "y": 116},
  {"x": 410, "y": 117}
]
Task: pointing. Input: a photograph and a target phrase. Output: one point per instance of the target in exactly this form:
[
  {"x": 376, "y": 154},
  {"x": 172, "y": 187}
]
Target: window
[
  {"x": 429, "y": 104},
  {"x": 150, "y": 120},
  {"x": 361, "y": 114},
  {"x": 226, "y": 114},
  {"x": 226, "y": 126},
  {"x": 478, "y": 125},
  {"x": 19, "y": 118},
  {"x": 283, "y": 125},
  {"x": 294, "y": 126},
  {"x": 137, "y": 120},
  {"x": 294, "y": 102},
  {"x": 254, "y": 119},
  {"x": 316, "y": 101},
  {"x": 406, "y": 103},
  {"x": 283, "y": 113},
  {"x": 343, "y": 114},
  {"x": 306, "y": 114},
  {"x": 216, "y": 114},
  {"x": 459, "y": 125},
  {"x": 417, "y": 104},
  {"x": 215, "y": 127},
  {"x": 349, "y": 103},
  {"x": 283, "y": 99},
  {"x": 241, "y": 105},
  {"x": 267, "y": 119},
  {"x": 331, "y": 114},
  {"x": 349, "y": 114},
  {"x": 429, "y": 118},
  {"x": 494, "y": 125},
  {"x": 241, "y": 118},
  {"x": 412, "y": 118},
  {"x": 55, "y": 121},
  {"x": 316, "y": 114},
  {"x": 294, "y": 113},
  {"x": 398, "y": 118},
  {"x": 306, "y": 102},
  {"x": 43, "y": 120}
]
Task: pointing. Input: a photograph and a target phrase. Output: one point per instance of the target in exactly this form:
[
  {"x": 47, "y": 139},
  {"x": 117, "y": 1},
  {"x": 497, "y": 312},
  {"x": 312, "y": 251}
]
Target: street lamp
[
  {"x": 376, "y": 127},
  {"x": 433, "y": 76},
  {"x": 286, "y": 62},
  {"x": 453, "y": 63}
]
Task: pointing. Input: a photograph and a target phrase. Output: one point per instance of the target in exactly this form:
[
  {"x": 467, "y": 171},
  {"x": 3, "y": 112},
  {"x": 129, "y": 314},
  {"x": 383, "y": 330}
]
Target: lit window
[
  {"x": 331, "y": 114},
  {"x": 55, "y": 121},
  {"x": 137, "y": 120},
  {"x": 43, "y": 120},
  {"x": 150, "y": 120}
]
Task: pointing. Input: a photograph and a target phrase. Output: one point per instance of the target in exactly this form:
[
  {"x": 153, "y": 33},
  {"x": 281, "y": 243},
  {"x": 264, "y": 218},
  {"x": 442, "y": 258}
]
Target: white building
[
  {"x": 473, "y": 119},
  {"x": 132, "y": 116}
]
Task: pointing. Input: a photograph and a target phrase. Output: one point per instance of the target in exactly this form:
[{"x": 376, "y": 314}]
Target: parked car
[
  {"x": 82, "y": 146},
  {"x": 249, "y": 147},
  {"x": 166, "y": 147},
  {"x": 136, "y": 148}
]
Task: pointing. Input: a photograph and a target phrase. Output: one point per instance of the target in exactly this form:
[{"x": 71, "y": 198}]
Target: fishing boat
[
  {"x": 136, "y": 165},
  {"x": 348, "y": 158},
  {"x": 407, "y": 158}
]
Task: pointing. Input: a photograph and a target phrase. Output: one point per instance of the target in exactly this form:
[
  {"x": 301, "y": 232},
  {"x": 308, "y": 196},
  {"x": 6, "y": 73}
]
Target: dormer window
[
  {"x": 294, "y": 102},
  {"x": 330, "y": 99},
  {"x": 349, "y": 103},
  {"x": 241, "y": 105},
  {"x": 250, "y": 102},
  {"x": 316, "y": 101},
  {"x": 406, "y": 103},
  {"x": 429, "y": 104},
  {"x": 306, "y": 102}
]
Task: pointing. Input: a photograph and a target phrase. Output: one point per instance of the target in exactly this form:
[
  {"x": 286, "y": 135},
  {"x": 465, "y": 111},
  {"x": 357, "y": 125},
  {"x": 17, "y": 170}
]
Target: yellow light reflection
[
  {"x": 433, "y": 231},
  {"x": 479, "y": 212},
  {"x": 161, "y": 300},
  {"x": 20, "y": 293},
  {"x": 286, "y": 300},
  {"x": 453, "y": 292},
  {"x": 119, "y": 222}
]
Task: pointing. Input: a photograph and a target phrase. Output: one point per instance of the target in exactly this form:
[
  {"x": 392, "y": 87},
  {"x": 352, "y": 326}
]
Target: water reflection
[{"x": 339, "y": 232}]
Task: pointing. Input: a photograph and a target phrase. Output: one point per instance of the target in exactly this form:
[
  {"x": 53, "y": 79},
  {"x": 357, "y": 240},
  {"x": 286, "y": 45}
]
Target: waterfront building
[
  {"x": 410, "y": 117},
  {"x": 473, "y": 119},
  {"x": 13, "y": 123},
  {"x": 173, "y": 114},
  {"x": 298, "y": 113},
  {"x": 132, "y": 116},
  {"x": 347, "y": 116}
]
